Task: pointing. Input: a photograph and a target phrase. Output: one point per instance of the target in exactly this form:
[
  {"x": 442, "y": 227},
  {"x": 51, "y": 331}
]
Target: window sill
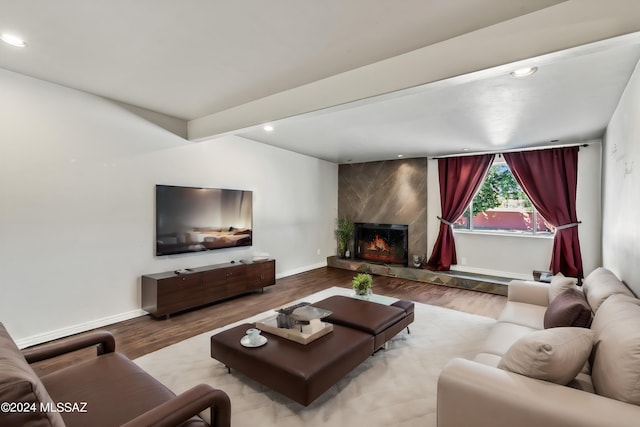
[{"x": 503, "y": 234}]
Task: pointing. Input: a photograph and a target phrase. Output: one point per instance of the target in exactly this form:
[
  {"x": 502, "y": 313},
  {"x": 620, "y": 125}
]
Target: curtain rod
[{"x": 581, "y": 144}]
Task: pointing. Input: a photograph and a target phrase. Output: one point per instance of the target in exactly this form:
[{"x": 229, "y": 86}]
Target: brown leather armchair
[{"x": 108, "y": 390}]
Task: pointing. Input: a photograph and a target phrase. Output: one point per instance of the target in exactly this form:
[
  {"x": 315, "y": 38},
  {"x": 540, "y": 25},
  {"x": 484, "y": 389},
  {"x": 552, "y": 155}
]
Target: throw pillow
[
  {"x": 556, "y": 355},
  {"x": 570, "y": 308},
  {"x": 559, "y": 284},
  {"x": 600, "y": 284},
  {"x": 615, "y": 369}
]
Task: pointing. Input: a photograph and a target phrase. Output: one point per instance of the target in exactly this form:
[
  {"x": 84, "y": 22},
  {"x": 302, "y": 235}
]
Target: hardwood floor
[{"x": 142, "y": 335}]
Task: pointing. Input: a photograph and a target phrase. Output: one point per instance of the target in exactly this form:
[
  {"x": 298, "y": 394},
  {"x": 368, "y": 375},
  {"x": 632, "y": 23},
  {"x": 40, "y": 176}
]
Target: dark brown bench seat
[
  {"x": 300, "y": 372},
  {"x": 303, "y": 372},
  {"x": 382, "y": 321}
]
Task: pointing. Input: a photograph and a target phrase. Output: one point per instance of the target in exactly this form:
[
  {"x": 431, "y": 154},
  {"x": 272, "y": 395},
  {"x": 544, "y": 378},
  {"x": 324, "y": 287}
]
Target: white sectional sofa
[{"x": 529, "y": 376}]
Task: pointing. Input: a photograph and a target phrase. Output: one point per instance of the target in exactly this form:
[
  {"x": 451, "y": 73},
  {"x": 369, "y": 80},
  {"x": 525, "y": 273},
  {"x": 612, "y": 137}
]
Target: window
[{"x": 501, "y": 206}]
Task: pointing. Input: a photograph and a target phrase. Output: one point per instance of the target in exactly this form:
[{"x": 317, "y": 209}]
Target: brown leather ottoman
[
  {"x": 380, "y": 320},
  {"x": 300, "y": 372}
]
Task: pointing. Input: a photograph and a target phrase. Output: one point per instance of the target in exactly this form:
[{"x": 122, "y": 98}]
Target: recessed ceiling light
[
  {"x": 524, "y": 72},
  {"x": 400, "y": 155},
  {"x": 268, "y": 128},
  {"x": 13, "y": 40},
  {"x": 465, "y": 149}
]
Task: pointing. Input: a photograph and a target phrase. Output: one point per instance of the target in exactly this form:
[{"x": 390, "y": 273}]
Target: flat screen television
[{"x": 190, "y": 219}]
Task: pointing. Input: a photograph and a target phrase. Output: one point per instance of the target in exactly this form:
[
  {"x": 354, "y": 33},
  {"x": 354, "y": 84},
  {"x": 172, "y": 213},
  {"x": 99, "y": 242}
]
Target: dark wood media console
[{"x": 167, "y": 293}]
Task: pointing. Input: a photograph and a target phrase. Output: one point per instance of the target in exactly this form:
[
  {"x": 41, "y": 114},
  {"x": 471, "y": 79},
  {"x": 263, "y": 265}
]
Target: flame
[{"x": 378, "y": 244}]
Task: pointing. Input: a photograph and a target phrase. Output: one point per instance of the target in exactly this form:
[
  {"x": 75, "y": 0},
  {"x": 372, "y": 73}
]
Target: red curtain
[
  {"x": 549, "y": 177},
  {"x": 460, "y": 178}
]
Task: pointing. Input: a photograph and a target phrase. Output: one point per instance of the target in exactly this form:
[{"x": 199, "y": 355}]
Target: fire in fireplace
[{"x": 384, "y": 243}]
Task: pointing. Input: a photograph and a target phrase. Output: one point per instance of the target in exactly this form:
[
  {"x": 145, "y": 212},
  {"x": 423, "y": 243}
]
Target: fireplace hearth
[{"x": 382, "y": 243}]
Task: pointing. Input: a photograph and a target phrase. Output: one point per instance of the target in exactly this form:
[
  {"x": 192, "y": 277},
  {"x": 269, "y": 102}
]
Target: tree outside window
[{"x": 501, "y": 205}]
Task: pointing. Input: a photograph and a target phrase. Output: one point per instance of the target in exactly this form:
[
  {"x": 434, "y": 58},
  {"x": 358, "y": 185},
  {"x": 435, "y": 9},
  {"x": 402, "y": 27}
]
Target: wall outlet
[
  {"x": 318, "y": 252},
  {"x": 463, "y": 260}
]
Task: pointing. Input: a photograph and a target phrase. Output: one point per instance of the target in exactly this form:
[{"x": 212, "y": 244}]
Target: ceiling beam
[{"x": 568, "y": 24}]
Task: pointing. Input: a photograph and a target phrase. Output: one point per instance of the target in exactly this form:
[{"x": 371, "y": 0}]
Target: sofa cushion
[
  {"x": 502, "y": 336},
  {"x": 559, "y": 284},
  {"x": 521, "y": 313},
  {"x": 600, "y": 284},
  {"x": 556, "y": 355},
  {"x": 615, "y": 367},
  {"x": 582, "y": 382},
  {"x": 19, "y": 383},
  {"x": 570, "y": 308},
  {"x": 488, "y": 359}
]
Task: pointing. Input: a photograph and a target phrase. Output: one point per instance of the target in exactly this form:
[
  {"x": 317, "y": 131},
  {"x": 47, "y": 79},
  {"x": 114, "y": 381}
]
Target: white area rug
[{"x": 394, "y": 387}]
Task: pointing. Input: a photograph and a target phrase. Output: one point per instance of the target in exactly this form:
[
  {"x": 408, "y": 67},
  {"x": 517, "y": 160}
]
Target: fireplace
[{"x": 383, "y": 243}]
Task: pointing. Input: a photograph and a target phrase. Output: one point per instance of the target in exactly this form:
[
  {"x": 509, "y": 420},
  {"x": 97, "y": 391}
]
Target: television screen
[{"x": 192, "y": 219}]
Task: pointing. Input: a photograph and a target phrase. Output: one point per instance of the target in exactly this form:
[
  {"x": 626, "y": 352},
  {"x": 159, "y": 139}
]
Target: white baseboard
[
  {"x": 497, "y": 273},
  {"x": 75, "y": 329},
  {"x": 300, "y": 270}
]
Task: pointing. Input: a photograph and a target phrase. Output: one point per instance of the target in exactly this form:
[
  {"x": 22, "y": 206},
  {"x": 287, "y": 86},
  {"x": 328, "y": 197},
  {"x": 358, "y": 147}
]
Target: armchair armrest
[
  {"x": 185, "y": 406},
  {"x": 473, "y": 394},
  {"x": 528, "y": 292},
  {"x": 104, "y": 341}
]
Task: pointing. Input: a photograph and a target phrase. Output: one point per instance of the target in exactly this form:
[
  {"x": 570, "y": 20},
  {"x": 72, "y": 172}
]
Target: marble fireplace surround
[
  {"x": 395, "y": 192},
  {"x": 387, "y": 192}
]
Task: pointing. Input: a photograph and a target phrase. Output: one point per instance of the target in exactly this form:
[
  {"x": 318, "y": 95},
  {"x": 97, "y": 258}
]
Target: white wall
[
  {"x": 77, "y": 176},
  {"x": 621, "y": 188},
  {"x": 515, "y": 256}
]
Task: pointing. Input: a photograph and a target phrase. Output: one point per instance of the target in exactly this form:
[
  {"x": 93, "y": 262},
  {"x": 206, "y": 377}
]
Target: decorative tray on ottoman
[{"x": 300, "y": 323}]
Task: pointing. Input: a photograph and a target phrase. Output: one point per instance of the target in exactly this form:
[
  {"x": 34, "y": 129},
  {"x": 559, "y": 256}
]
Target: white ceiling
[
  {"x": 195, "y": 58},
  {"x": 570, "y": 99}
]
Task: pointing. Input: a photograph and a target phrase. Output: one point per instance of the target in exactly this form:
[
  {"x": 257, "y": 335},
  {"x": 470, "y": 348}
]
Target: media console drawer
[{"x": 167, "y": 293}]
